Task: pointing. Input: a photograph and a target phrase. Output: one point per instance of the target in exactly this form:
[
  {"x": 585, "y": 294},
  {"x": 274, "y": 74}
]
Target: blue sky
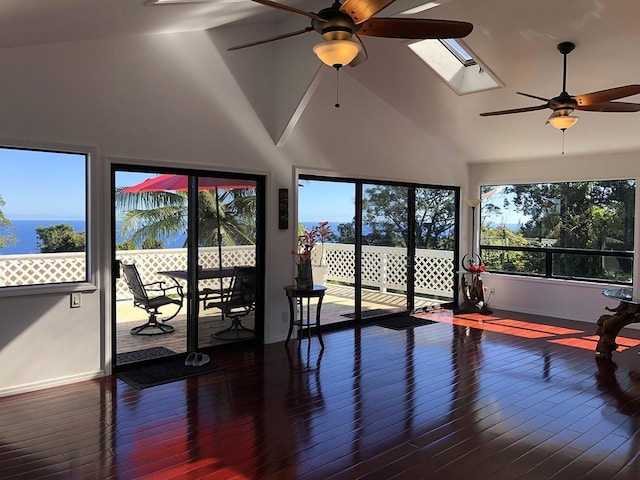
[
  {"x": 326, "y": 201},
  {"x": 50, "y": 186},
  {"x": 45, "y": 185},
  {"x": 41, "y": 185}
]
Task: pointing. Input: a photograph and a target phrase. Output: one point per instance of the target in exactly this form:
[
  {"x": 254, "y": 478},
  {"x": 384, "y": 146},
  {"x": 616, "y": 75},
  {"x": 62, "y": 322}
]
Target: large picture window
[
  {"x": 43, "y": 217},
  {"x": 576, "y": 230}
]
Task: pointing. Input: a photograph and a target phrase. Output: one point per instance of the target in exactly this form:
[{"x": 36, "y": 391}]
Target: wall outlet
[
  {"x": 76, "y": 300},
  {"x": 492, "y": 290}
]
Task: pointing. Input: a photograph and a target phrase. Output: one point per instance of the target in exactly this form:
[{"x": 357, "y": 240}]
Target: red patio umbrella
[{"x": 169, "y": 182}]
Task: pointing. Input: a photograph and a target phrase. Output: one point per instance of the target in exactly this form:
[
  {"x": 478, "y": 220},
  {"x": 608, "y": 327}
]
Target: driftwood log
[
  {"x": 610, "y": 325},
  {"x": 472, "y": 291}
]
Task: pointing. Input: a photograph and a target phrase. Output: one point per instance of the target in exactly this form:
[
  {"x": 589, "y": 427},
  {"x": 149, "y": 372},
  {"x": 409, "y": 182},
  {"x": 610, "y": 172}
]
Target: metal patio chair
[
  {"x": 238, "y": 302},
  {"x": 150, "y": 297}
]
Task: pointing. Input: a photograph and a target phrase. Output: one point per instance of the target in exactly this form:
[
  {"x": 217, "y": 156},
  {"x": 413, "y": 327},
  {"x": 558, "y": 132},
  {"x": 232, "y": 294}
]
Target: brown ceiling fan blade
[
  {"x": 289, "y": 9},
  {"x": 611, "y": 107},
  {"x": 362, "y": 10},
  {"x": 607, "y": 95},
  {"x": 533, "y": 96},
  {"x": 515, "y": 110},
  {"x": 272, "y": 39},
  {"x": 415, "y": 28}
]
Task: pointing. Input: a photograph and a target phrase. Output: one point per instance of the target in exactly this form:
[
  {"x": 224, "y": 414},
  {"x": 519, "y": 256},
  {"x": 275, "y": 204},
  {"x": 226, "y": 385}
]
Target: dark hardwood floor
[{"x": 501, "y": 397}]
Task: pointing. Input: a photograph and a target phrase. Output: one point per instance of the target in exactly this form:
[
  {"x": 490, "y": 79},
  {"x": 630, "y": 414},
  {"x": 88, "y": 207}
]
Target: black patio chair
[
  {"x": 238, "y": 302},
  {"x": 150, "y": 297}
]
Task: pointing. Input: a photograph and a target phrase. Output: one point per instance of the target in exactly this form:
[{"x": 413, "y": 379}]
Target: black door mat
[
  {"x": 163, "y": 372},
  {"x": 142, "y": 355},
  {"x": 401, "y": 322},
  {"x": 368, "y": 313}
]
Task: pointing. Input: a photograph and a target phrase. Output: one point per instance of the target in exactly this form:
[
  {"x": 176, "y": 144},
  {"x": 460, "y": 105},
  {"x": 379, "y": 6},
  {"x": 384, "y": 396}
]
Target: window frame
[
  {"x": 91, "y": 281},
  {"x": 549, "y": 252}
]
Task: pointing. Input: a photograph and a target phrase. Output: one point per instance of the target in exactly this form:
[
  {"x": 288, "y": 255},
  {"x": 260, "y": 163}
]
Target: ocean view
[{"x": 25, "y": 232}]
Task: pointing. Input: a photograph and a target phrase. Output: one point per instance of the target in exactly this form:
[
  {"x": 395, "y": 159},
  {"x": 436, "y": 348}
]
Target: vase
[
  {"x": 320, "y": 273},
  {"x": 304, "y": 280}
]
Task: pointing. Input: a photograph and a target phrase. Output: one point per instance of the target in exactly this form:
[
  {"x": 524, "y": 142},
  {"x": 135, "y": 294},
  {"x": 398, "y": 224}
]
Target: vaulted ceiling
[{"x": 516, "y": 40}]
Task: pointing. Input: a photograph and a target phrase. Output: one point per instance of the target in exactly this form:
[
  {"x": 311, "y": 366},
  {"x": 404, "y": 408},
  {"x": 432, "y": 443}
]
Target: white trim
[{"x": 56, "y": 382}]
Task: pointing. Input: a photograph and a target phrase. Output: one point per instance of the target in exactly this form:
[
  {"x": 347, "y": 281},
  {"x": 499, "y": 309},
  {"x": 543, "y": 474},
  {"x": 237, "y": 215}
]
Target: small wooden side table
[{"x": 299, "y": 294}]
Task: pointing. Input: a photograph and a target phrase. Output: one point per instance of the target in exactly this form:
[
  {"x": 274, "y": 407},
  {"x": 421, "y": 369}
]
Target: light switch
[{"x": 76, "y": 300}]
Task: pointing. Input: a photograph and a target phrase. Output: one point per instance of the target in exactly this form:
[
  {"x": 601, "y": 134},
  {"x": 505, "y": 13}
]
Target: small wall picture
[{"x": 283, "y": 209}]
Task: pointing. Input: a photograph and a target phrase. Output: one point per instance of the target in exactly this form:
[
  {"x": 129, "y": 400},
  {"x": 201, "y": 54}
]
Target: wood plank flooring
[{"x": 506, "y": 396}]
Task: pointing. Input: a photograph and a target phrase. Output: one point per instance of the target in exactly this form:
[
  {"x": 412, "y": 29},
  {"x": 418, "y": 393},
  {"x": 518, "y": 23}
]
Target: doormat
[
  {"x": 401, "y": 322},
  {"x": 142, "y": 355},
  {"x": 367, "y": 313},
  {"x": 164, "y": 372}
]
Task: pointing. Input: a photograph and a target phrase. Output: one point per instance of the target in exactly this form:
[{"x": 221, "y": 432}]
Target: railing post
[
  {"x": 548, "y": 264},
  {"x": 384, "y": 273}
]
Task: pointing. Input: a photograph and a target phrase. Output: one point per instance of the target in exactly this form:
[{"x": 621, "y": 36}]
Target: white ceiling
[{"x": 515, "y": 39}]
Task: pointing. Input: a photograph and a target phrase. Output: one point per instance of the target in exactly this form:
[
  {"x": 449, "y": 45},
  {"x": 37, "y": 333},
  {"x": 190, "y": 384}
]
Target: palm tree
[{"x": 161, "y": 214}]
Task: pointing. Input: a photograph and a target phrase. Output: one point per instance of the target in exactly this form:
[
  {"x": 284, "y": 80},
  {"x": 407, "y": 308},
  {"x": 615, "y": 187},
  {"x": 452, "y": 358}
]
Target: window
[
  {"x": 43, "y": 217},
  {"x": 456, "y": 65},
  {"x": 576, "y": 230}
]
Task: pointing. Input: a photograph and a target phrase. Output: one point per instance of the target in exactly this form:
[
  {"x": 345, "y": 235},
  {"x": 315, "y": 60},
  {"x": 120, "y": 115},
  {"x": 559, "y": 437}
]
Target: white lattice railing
[
  {"x": 382, "y": 267},
  {"x": 42, "y": 268},
  {"x": 45, "y": 268},
  {"x": 150, "y": 262},
  {"x": 385, "y": 268}
]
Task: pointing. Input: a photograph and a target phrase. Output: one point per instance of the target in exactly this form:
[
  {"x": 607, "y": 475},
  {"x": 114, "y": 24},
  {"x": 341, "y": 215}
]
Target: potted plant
[{"x": 319, "y": 234}]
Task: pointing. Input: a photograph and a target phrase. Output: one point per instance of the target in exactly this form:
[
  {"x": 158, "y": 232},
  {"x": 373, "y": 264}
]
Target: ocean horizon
[{"x": 25, "y": 232}]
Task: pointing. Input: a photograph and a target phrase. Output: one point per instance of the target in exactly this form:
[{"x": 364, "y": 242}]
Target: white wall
[
  {"x": 173, "y": 99},
  {"x": 556, "y": 298}
]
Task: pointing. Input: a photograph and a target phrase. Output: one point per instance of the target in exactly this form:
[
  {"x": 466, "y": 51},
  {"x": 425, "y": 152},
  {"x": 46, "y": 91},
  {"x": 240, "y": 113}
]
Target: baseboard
[
  {"x": 57, "y": 382},
  {"x": 543, "y": 313}
]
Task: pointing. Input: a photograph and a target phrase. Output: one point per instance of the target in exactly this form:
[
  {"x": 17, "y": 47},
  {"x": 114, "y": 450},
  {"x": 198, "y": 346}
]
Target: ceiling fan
[
  {"x": 564, "y": 104},
  {"x": 340, "y": 22}
]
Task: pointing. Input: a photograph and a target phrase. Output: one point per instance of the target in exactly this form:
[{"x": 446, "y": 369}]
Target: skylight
[
  {"x": 422, "y": 8},
  {"x": 456, "y": 65},
  {"x": 458, "y": 51}
]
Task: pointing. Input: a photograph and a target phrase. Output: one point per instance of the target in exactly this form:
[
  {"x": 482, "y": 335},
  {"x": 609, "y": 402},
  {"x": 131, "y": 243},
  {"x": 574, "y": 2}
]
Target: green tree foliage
[
  {"x": 152, "y": 244},
  {"x": 501, "y": 260},
  {"x": 60, "y": 238},
  {"x": 385, "y": 214},
  {"x": 7, "y": 235},
  {"x": 154, "y": 215},
  {"x": 346, "y": 233},
  {"x": 577, "y": 215}
]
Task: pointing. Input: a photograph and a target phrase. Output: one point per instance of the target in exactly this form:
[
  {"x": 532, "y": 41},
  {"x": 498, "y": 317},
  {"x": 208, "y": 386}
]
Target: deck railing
[{"x": 383, "y": 268}]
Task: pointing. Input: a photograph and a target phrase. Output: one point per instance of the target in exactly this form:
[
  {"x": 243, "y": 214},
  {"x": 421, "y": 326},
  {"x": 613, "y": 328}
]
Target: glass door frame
[
  {"x": 411, "y": 244},
  {"x": 192, "y": 301}
]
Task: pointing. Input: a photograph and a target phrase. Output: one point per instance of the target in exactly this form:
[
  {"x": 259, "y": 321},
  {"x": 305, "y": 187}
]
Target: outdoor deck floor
[{"x": 338, "y": 302}]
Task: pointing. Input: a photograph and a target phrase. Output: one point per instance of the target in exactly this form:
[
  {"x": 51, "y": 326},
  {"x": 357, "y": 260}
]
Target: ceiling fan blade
[
  {"x": 515, "y": 110},
  {"x": 289, "y": 9},
  {"x": 607, "y": 95},
  {"x": 415, "y": 28},
  {"x": 533, "y": 96},
  {"x": 362, "y": 10},
  {"x": 611, "y": 107},
  {"x": 272, "y": 39}
]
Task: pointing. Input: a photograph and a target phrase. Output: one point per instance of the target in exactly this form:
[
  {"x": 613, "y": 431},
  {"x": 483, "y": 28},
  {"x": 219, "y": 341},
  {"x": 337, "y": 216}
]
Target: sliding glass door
[
  {"x": 330, "y": 206},
  {"x": 385, "y": 258},
  {"x": 436, "y": 244},
  {"x": 226, "y": 260},
  {"x": 393, "y": 248},
  {"x": 180, "y": 239}
]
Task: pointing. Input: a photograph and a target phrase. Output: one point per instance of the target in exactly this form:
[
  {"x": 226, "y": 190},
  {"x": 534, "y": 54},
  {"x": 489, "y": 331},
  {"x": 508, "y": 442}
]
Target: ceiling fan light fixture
[
  {"x": 337, "y": 53},
  {"x": 562, "y": 119}
]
